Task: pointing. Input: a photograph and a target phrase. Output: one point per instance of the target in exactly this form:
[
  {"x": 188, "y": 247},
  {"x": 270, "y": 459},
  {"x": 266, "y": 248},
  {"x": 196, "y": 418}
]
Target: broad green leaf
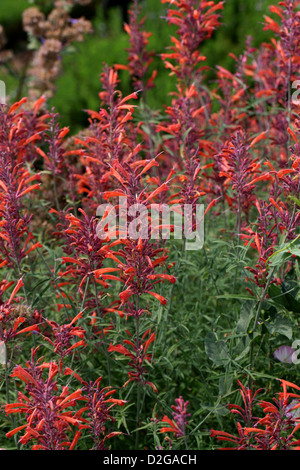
[
  {"x": 216, "y": 350},
  {"x": 245, "y": 318},
  {"x": 225, "y": 384},
  {"x": 282, "y": 326}
]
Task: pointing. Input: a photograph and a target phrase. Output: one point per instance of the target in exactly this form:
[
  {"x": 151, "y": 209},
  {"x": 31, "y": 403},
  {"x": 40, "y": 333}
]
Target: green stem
[
  {"x": 257, "y": 316},
  {"x": 258, "y": 312},
  {"x": 55, "y": 282},
  {"x": 6, "y": 378},
  {"x": 55, "y": 193},
  {"x": 102, "y": 335},
  {"x": 138, "y": 403},
  {"x": 178, "y": 266},
  {"x": 7, "y": 394}
]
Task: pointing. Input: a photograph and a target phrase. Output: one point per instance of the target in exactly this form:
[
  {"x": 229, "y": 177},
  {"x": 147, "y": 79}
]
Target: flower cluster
[
  {"x": 177, "y": 426},
  {"x": 276, "y": 430}
]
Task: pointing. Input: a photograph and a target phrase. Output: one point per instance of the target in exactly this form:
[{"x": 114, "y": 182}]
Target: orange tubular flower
[
  {"x": 49, "y": 429},
  {"x": 138, "y": 356},
  {"x": 177, "y": 426},
  {"x": 275, "y": 430}
]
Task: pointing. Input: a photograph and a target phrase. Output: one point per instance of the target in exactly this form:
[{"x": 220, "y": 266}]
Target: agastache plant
[
  {"x": 240, "y": 169},
  {"x": 15, "y": 182},
  {"x": 196, "y": 22},
  {"x": 139, "y": 59},
  {"x": 14, "y": 314},
  {"x": 63, "y": 336},
  {"x": 54, "y": 153},
  {"x": 52, "y": 418},
  {"x": 275, "y": 430},
  {"x": 108, "y": 138},
  {"x": 96, "y": 417},
  {"x": 177, "y": 425},
  {"x": 47, "y": 418},
  {"x": 138, "y": 258},
  {"x": 98, "y": 410}
]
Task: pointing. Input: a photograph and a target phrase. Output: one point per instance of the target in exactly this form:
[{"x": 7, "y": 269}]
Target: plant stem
[
  {"x": 258, "y": 312},
  {"x": 55, "y": 193},
  {"x": 264, "y": 295},
  {"x": 7, "y": 394},
  {"x": 55, "y": 282},
  {"x": 138, "y": 402},
  {"x": 102, "y": 334}
]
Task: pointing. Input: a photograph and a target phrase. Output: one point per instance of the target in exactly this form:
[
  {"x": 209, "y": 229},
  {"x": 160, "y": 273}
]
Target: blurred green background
[{"x": 78, "y": 86}]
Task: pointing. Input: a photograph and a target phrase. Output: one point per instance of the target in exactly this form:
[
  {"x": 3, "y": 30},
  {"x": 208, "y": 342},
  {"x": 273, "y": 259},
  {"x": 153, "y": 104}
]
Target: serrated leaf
[
  {"x": 282, "y": 326},
  {"x": 225, "y": 384},
  {"x": 245, "y": 318},
  {"x": 216, "y": 350}
]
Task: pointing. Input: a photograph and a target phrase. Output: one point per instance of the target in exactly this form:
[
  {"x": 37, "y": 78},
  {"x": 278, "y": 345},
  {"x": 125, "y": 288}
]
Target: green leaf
[
  {"x": 285, "y": 296},
  {"x": 281, "y": 325},
  {"x": 284, "y": 253},
  {"x": 242, "y": 348},
  {"x": 295, "y": 200},
  {"x": 216, "y": 350},
  {"x": 245, "y": 318},
  {"x": 234, "y": 296},
  {"x": 225, "y": 384}
]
